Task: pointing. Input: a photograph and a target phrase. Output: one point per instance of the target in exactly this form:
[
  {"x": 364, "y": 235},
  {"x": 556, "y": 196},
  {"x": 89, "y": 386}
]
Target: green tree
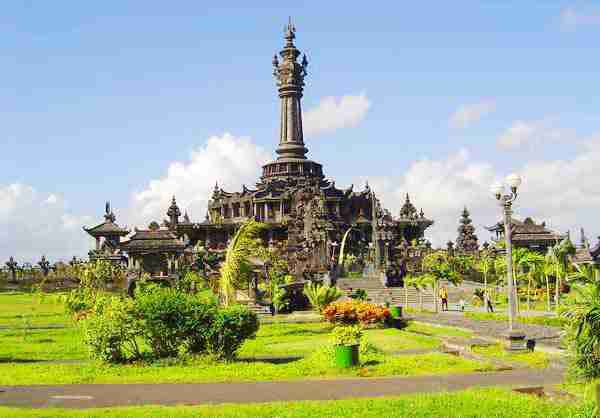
[
  {"x": 235, "y": 271},
  {"x": 534, "y": 263},
  {"x": 559, "y": 256},
  {"x": 419, "y": 282},
  {"x": 441, "y": 266},
  {"x": 485, "y": 265}
]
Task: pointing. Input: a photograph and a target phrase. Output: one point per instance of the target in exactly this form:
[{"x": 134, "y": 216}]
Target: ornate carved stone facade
[{"x": 306, "y": 214}]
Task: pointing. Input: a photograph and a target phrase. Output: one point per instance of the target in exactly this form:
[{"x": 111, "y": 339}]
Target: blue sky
[{"x": 98, "y": 99}]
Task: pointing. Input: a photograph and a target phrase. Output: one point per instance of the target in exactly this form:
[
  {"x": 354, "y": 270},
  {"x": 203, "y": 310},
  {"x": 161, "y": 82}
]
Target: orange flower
[{"x": 353, "y": 312}]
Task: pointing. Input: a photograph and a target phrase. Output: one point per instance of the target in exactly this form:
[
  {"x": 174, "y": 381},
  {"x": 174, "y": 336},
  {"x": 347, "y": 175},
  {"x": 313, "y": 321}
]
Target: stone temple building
[{"x": 306, "y": 213}]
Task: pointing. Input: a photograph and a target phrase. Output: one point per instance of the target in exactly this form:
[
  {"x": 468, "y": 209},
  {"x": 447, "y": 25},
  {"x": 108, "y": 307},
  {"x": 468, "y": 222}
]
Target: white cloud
[
  {"x": 468, "y": 114},
  {"x": 33, "y": 224},
  {"x": 335, "y": 113},
  {"x": 571, "y": 18},
  {"x": 230, "y": 160},
  {"x": 529, "y": 134},
  {"x": 564, "y": 193}
]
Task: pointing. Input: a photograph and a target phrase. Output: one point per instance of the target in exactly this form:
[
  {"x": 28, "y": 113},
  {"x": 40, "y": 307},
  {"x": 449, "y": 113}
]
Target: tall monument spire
[{"x": 290, "y": 83}]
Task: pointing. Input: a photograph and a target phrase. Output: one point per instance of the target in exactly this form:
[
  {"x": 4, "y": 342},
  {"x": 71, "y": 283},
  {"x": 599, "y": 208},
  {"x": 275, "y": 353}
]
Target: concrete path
[
  {"x": 549, "y": 336},
  {"x": 89, "y": 396}
]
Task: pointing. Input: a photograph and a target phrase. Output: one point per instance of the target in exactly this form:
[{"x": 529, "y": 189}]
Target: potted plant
[
  {"x": 347, "y": 343},
  {"x": 349, "y": 317}
]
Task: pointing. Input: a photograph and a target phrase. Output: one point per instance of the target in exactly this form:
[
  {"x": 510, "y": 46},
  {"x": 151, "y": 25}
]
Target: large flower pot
[
  {"x": 396, "y": 311},
  {"x": 346, "y": 356}
]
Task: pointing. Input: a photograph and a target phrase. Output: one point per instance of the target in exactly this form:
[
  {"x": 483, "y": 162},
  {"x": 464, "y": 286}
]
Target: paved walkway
[
  {"x": 89, "y": 396},
  {"x": 549, "y": 336}
]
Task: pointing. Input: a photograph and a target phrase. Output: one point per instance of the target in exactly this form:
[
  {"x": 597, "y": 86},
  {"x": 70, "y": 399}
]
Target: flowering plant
[{"x": 353, "y": 312}]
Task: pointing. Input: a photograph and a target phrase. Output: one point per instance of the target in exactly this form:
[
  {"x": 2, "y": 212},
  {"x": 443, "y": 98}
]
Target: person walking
[
  {"x": 443, "y": 294},
  {"x": 488, "y": 302}
]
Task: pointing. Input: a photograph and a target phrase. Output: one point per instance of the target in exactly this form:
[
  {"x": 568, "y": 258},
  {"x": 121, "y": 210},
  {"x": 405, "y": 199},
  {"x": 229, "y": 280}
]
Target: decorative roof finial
[
  {"x": 290, "y": 32},
  {"x": 109, "y": 216}
]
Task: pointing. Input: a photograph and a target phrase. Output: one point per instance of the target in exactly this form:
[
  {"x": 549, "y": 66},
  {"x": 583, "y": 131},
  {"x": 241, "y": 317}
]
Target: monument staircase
[{"x": 379, "y": 294}]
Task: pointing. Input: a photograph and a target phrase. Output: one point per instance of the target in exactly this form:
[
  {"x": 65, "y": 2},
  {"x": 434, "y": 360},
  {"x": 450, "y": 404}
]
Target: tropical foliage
[
  {"x": 582, "y": 311},
  {"x": 440, "y": 266},
  {"x": 320, "y": 295},
  {"x": 235, "y": 271}
]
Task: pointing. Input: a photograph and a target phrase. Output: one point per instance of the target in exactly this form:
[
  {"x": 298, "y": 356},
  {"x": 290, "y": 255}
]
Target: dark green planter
[
  {"x": 346, "y": 356},
  {"x": 396, "y": 311}
]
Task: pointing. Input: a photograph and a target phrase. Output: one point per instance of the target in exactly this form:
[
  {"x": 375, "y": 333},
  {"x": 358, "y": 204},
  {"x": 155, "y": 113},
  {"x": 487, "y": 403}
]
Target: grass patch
[
  {"x": 435, "y": 330},
  {"x": 25, "y": 354},
  {"x": 536, "y": 359},
  {"x": 19, "y": 309},
  {"x": 550, "y": 321},
  {"x": 471, "y": 403},
  {"x": 202, "y": 370}
]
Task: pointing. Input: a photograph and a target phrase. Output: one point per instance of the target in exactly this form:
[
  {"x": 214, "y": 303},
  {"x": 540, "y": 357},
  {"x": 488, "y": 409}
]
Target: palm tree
[
  {"x": 519, "y": 259},
  {"x": 485, "y": 266},
  {"x": 419, "y": 282},
  {"x": 559, "y": 254},
  {"x": 440, "y": 266},
  {"x": 548, "y": 270},
  {"x": 534, "y": 263},
  {"x": 582, "y": 312},
  {"x": 235, "y": 269}
]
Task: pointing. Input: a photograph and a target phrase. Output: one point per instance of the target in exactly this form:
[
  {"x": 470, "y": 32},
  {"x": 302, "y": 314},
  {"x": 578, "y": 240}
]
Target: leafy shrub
[
  {"x": 191, "y": 282},
  {"x": 359, "y": 294},
  {"x": 231, "y": 327},
  {"x": 80, "y": 301},
  {"x": 582, "y": 313},
  {"x": 111, "y": 331},
  {"x": 353, "y": 312},
  {"x": 280, "y": 299},
  {"x": 170, "y": 322},
  {"x": 347, "y": 335},
  {"x": 320, "y": 295},
  {"x": 172, "y": 319}
]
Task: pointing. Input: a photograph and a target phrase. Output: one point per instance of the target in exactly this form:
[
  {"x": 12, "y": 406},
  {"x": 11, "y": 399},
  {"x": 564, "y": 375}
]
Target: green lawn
[
  {"x": 487, "y": 403},
  {"x": 551, "y": 321},
  {"x": 29, "y": 355},
  {"x": 18, "y": 309},
  {"x": 536, "y": 359}
]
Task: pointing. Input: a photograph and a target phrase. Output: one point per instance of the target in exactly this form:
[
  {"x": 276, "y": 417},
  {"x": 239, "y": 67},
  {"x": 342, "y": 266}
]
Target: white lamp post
[{"x": 516, "y": 338}]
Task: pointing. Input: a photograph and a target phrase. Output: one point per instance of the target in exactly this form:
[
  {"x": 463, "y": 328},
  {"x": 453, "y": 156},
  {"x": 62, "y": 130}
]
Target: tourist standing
[{"x": 444, "y": 297}]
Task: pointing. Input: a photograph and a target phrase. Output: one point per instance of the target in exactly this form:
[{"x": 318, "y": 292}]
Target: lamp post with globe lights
[{"x": 516, "y": 338}]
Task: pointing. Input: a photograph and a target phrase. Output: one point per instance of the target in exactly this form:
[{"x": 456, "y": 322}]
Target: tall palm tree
[
  {"x": 548, "y": 270},
  {"x": 485, "y": 266},
  {"x": 235, "y": 269},
  {"x": 559, "y": 254},
  {"x": 519, "y": 259},
  {"x": 441, "y": 266},
  {"x": 534, "y": 263}
]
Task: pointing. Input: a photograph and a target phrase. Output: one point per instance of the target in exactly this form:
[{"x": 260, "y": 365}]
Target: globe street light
[{"x": 516, "y": 338}]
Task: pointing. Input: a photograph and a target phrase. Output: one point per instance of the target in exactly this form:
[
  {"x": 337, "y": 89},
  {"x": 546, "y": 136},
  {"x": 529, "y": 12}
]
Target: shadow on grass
[
  {"x": 298, "y": 332},
  {"x": 4, "y": 360},
  {"x": 270, "y": 360}
]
